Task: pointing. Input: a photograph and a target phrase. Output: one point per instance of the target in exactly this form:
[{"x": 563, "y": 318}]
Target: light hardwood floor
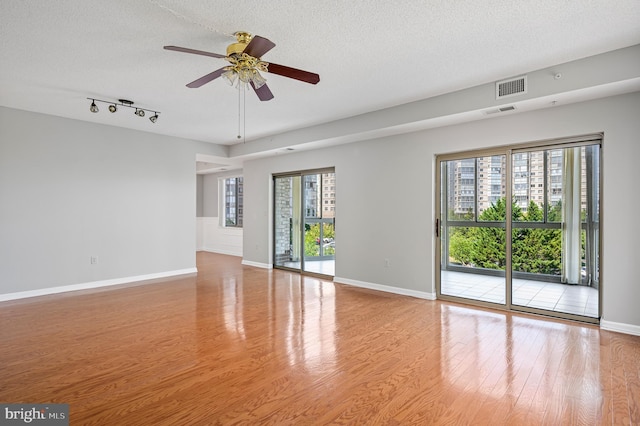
[{"x": 242, "y": 345}]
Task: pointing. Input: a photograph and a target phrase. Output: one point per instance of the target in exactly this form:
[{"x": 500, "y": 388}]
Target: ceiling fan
[{"x": 246, "y": 64}]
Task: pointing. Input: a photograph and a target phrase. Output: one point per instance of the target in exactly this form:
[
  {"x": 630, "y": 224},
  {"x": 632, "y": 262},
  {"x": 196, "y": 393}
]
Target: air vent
[
  {"x": 512, "y": 87},
  {"x": 501, "y": 109}
]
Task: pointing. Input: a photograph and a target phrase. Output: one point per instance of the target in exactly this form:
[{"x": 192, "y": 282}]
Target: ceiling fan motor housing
[{"x": 237, "y": 48}]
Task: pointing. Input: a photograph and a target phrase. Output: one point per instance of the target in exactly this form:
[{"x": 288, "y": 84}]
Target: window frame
[{"x": 237, "y": 195}]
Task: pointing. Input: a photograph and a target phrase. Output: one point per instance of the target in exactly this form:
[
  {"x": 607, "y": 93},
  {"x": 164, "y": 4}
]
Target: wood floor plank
[{"x": 236, "y": 344}]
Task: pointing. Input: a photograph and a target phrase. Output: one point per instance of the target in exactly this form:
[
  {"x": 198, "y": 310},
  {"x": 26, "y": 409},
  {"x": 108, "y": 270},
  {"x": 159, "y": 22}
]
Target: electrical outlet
[{"x": 94, "y": 260}]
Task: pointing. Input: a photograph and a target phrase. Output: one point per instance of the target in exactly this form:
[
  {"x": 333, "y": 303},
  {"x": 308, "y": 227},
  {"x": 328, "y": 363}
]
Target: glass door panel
[
  {"x": 287, "y": 213},
  {"x": 473, "y": 231},
  {"x": 319, "y": 225},
  {"x": 555, "y": 247},
  {"x": 304, "y": 222}
]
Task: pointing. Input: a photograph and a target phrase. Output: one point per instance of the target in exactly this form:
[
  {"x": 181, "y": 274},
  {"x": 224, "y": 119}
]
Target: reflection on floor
[
  {"x": 571, "y": 299},
  {"x": 324, "y": 267}
]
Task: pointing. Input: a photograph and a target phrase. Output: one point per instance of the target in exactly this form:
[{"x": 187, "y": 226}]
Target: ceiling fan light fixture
[
  {"x": 258, "y": 79},
  {"x": 93, "y": 107},
  {"x": 244, "y": 75},
  {"x": 230, "y": 76}
]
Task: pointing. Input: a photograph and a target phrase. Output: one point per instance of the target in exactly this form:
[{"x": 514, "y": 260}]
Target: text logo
[{"x": 35, "y": 414}]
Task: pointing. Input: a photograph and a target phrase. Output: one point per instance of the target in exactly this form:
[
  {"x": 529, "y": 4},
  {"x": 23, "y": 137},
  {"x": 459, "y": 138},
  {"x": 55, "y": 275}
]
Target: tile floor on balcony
[
  {"x": 322, "y": 267},
  {"x": 571, "y": 299}
]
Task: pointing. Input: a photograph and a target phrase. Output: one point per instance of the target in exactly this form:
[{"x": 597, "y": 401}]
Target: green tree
[
  {"x": 312, "y": 239},
  {"x": 555, "y": 212},
  {"x": 461, "y": 247},
  {"x": 533, "y": 250},
  {"x": 536, "y": 250},
  {"x": 490, "y": 242}
]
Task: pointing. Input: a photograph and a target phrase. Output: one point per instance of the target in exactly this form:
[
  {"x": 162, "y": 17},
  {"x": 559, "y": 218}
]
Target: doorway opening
[{"x": 304, "y": 222}]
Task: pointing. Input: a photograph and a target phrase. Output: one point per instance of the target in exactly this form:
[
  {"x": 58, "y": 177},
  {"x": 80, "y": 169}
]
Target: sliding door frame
[
  {"x": 508, "y": 151},
  {"x": 440, "y": 225},
  {"x": 303, "y": 219}
]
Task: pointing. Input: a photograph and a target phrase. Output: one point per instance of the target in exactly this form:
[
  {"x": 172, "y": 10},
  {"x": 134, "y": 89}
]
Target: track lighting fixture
[{"x": 113, "y": 107}]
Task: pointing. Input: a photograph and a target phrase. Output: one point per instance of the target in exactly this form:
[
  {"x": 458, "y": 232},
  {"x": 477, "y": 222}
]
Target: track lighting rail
[{"x": 113, "y": 107}]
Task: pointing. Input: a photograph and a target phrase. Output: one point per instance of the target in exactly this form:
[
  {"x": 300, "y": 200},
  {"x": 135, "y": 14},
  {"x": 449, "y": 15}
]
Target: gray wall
[
  {"x": 70, "y": 190},
  {"x": 377, "y": 218},
  {"x": 209, "y": 194},
  {"x": 199, "y": 195}
]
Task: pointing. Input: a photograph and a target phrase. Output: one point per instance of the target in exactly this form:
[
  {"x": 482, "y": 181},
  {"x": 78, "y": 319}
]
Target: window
[{"x": 233, "y": 203}]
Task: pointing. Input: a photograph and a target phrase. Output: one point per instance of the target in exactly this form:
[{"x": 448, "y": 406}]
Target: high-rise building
[{"x": 537, "y": 176}]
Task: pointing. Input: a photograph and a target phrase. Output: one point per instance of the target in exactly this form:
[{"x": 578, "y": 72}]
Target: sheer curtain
[
  {"x": 571, "y": 173},
  {"x": 592, "y": 157}
]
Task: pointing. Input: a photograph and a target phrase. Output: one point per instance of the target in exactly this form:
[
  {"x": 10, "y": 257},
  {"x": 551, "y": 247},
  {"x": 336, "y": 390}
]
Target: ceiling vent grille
[
  {"x": 501, "y": 109},
  {"x": 512, "y": 87}
]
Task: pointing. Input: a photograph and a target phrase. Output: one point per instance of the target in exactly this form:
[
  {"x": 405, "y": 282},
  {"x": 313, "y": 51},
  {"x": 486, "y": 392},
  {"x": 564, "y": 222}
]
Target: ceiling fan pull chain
[{"x": 239, "y": 118}]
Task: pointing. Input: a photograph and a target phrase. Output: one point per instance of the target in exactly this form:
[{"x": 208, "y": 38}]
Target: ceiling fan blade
[
  {"x": 196, "y": 52},
  {"x": 258, "y": 46},
  {"x": 263, "y": 92},
  {"x": 307, "y": 77},
  {"x": 206, "y": 78}
]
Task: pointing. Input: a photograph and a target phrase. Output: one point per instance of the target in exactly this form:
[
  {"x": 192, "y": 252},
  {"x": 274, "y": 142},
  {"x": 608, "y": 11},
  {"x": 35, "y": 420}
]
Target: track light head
[
  {"x": 113, "y": 108},
  {"x": 154, "y": 118},
  {"x": 139, "y": 112},
  {"x": 93, "y": 107}
]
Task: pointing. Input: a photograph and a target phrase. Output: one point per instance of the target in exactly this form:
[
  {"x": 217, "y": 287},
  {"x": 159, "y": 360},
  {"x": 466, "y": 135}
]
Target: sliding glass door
[
  {"x": 287, "y": 227},
  {"x": 550, "y": 261},
  {"x": 474, "y": 228},
  {"x": 555, "y": 239},
  {"x": 304, "y": 216}
]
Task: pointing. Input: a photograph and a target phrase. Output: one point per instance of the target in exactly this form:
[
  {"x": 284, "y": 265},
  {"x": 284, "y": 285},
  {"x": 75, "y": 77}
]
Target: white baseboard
[
  {"x": 95, "y": 284},
  {"x": 221, "y": 251},
  {"x": 620, "y": 327},
  {"x": 257, "y": 264},
  {"x": 386, "y": 288}
]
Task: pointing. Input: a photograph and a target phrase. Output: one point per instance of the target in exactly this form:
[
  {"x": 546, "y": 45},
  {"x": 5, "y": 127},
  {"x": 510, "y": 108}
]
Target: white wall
[
  {"x": 218, "y": 239},
  {"x": 70, "y": 190},
  {"x": 385, "y": 196}
]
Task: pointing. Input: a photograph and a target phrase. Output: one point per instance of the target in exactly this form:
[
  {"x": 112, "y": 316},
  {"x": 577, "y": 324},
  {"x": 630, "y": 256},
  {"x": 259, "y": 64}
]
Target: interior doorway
[{"x": 304, "y": 222}]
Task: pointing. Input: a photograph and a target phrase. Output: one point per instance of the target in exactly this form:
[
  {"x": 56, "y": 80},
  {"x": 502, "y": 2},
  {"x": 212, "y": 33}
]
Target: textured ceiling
[{"x": 369, "y": 54}]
